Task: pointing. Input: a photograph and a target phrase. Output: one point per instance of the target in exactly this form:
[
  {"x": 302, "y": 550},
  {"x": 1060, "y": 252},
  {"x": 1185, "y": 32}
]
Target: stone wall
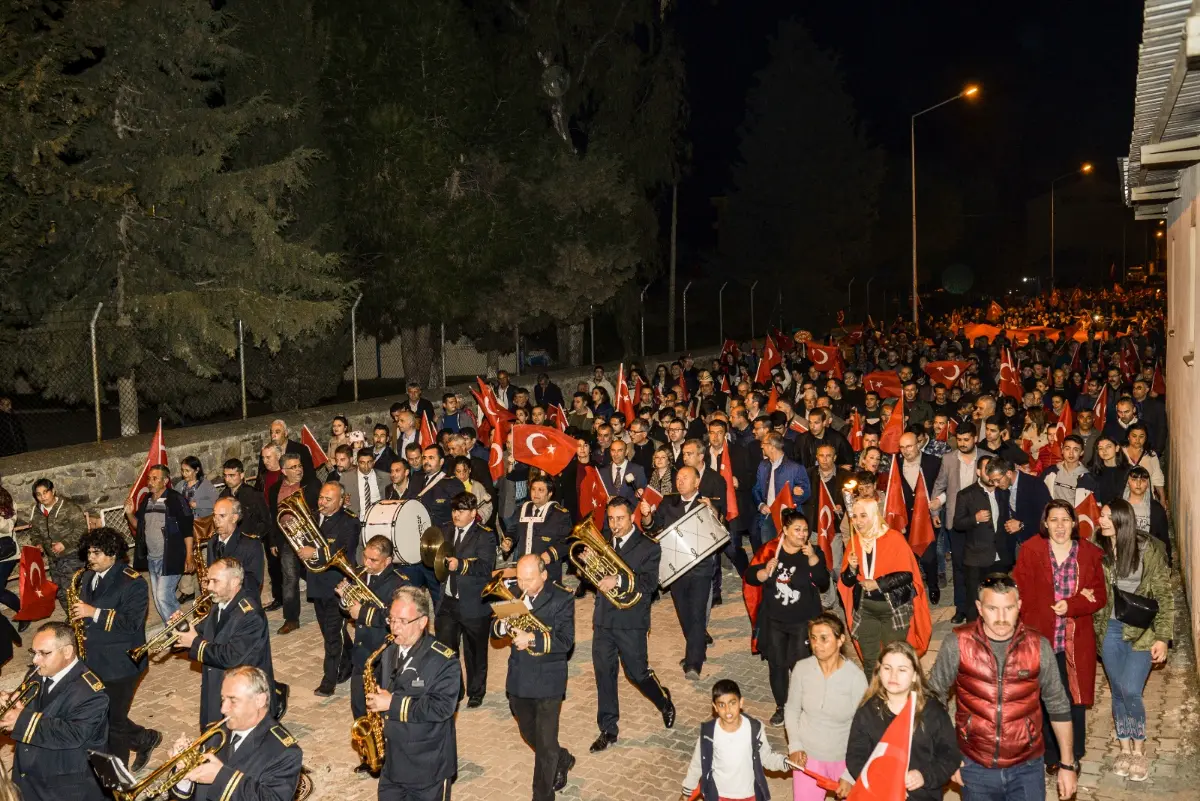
[{"x": 99, "y": 475}]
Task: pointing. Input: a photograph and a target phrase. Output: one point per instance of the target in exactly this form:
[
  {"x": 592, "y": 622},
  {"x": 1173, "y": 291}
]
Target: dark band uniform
[
  {"x": 542, "y": 530},
  {"x": 621, "y": 633},
  {"x": 245, "y": 547},
  {"x": 435, "y": 495},
  {"x": 691, "y": 591},
  {"x": 236, "y": 636},
  {"x": 371, "y": 627},
  {"x": 340, "y": 531},
  {"x": 462, "y": 609},
  {"x": 121, "y": 599},
  {"x": 54, "y": 734},
  {"x": 422, "y": 753},
  {"x": 537, "y": 683},
  {"x": 264, "y": 767}
]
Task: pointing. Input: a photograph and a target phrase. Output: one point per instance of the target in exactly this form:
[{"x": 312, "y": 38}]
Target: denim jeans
[
  {"x": 162, "y": 589},
  {"x": 7, "y": 596},
  {"x": 943, "y": 547},
  {"x": 1127, "y": 670},
  {"x": 1023, "y": 782}
]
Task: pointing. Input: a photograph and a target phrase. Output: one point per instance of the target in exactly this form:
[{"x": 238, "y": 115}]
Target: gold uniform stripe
[
  {"x": 33, "y": 723},
  {"x": 231, "y": 785},
  {"x": 370, "y": 614},
  {"x": 200, "y": 651},
  {"x": 404, "y": 704},
  {"x": 112, "y": 613}
]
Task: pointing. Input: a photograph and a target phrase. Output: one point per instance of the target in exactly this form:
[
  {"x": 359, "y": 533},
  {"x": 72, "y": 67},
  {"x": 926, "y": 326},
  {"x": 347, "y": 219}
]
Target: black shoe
[
  {"x": 366, "y": 770},
  {"x": 324, "y": 690},
  {"x": 564, "y": 767},
  {"x": 716, "y": 601},
  {"x": 777, "y": 718},
  {"x": 581, "y": 590},
  {"x": 344, "y": 675},
  {"x": 935, "y": 596},
  {"x": 474, "y": 703},
  {"x": 708, "y": 638},
  {"x": 602, "y": 742},
  {"x": 668, "y": 712},
  {"x": 23, "y": 626},
  {"x": 142, "y": 755},
  {"x": 957, "y": 619},
  {"x": 271, "y": 607}
]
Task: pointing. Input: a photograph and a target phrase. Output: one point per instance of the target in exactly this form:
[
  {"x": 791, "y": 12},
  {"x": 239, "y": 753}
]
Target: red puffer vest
[{"x": 999, "y": 722}]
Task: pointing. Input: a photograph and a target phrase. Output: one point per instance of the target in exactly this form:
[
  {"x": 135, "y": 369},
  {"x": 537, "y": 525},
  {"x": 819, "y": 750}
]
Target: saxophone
[
  {"x": 75, "y": 623},
  {"x": 366, "y": 733}
]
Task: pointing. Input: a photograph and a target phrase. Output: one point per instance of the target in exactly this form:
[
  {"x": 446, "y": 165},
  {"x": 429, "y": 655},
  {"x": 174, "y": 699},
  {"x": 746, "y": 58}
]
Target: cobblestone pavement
[{"x": 648, "y": 762}]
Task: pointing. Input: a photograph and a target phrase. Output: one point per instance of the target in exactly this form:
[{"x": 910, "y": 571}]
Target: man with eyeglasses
[
  {"x": 676, "y": 435},
  {"x": 54, "y": 732},
  {"x": 418, "y": 694}
]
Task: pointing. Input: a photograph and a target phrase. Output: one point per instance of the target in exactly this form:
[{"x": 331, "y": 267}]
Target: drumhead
[
  {"x": 401, "y": 522},
  {"x": 693, "y": 538}
]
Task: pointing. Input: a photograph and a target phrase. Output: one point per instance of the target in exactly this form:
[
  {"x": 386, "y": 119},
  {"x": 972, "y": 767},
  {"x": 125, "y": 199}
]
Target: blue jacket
[{"x": 789, "y": 472}]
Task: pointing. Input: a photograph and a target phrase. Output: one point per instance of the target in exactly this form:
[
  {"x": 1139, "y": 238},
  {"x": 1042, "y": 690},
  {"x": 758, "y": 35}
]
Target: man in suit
[
  {"x": 406, "y": 429},
  {"x": 676, "y": 436},
  {"x": 54, "y": 732},
  {"x": 418, "y": 406},
  {"x": 381, "y": 448},
  {"x": 234, "y": 633},
  {"x": 913, "y": 465},
  {"x": 254, "y": 519},
  {"x": 1153, "y": 413},
  {"x": 1027, "y": 499},
  {"x": 279, "y": 438},
  {"x": 718, "y": 445},
  {"x": 620, "y": 476},
  {"x": 340, "y": 531},
  {"x": 439, "y": 488},
  {"x": 537, "y": 672},
  {"x": 712, "y": 485},
  {"x": 112, "y": 605},
  {"x": 463, "y": 614},
  {"x": 543, "y": 528},
  {"x": 294, "y": 480},
  {"x": 774, "y": 472},
  {"x": 980, "y": 514},
  {"x": 228, "y": 539},
  {"x": 619, "y": 635},
  {"x": 957, "y": 472},
  {"x": 819, "y": 433},
  {"x": 691, "y": 591},
  {"x": 260, "y": 758},
  {"x": 366, "y": 484}
]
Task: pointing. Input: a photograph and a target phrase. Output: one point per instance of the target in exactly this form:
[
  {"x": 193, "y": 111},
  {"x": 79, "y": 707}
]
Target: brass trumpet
[
  {"x": 524, "y": 622},
  {"x": 169, "y": 773},
  {"x": 25, "y": 692},
  {"x": 171, "y": 631},
  {"x": 603, "y": 561}
]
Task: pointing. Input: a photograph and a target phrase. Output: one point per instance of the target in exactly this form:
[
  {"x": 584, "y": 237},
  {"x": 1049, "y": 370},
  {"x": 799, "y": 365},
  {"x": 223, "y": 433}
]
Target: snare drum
[
  {"x": 693, "y": 538},
  {"x": 402, "y": 522}
]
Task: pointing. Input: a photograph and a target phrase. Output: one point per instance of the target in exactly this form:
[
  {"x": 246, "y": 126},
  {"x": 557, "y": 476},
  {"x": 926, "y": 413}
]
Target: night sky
[{"x": 1057, "y": 89}]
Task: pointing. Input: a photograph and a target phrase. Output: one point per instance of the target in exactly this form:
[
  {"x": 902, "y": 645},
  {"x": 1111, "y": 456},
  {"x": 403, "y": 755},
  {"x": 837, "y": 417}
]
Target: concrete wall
[{"x": 1183, "y": 380}]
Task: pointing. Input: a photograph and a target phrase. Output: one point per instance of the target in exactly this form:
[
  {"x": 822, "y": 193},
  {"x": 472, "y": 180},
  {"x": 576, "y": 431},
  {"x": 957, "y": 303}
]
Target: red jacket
[
  {"x": 980, "y": 707},
  {"x": 1035, "y": 580}
]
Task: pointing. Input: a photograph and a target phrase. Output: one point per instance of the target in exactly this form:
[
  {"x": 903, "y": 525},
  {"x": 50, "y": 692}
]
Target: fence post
[
  {"x": 242, "y": 365},
  {"x": 443, "y": 354},
  {"x": 642, "y": 319},
  {"x": 517, "y": 339},
  {"x": 780, "y": 301},
  {"x": 752, "y": 328},
  {"x": 354, "y": 341},
  {"x": 869, "y": 280},
  {"x": 96, "y": 370},
  {"x": 592, "y": 324},
  {"x": 685, "y": 291},
  {"x": 721, "y": 313}
]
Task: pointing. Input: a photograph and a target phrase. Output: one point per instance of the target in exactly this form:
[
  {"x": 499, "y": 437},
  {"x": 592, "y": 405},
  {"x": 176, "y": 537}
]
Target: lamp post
[
  {"x": 1084, "y": 169},
  {"x": 970, "y": 91}
]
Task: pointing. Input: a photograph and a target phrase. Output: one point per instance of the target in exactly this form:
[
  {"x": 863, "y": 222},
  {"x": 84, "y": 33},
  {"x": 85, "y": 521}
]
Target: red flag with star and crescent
[
  {"x": 889, "y": 438},
  {"x": 770, "y": 359},
  {"x": 783, "y": 500},
  {"x": 772, "y": 399},
  {"x": 884, "y": 383},
  {"x": 882, "y": 777},
  {"x": 995, "y": 312},
  {"x": 894, "y": 512},
  {"x": 920, "y": 529},
  {"x": 315, "y": 450},
  {"x": 156, "y": 456},
  {"x": 425, "y": 433},
  {"x": 623, "y": 403},
  {"x": 827, "y": 359},
  {"x": 593, "y": 497},
  {"x": 36, "y": 590},
  {"x": 1158, "y": 384},
  {"x": 1088, "y": 514},
  {"x": 543, "y": 447},
  {"x": 1100, "y": 410},
  {"x": 731, "y": 506},
  {"x": 856, "y": 431},
  {"x": 826, "y": 521},
  {"x": 496, "y": 462},
  {"x": 946, "y": 372},
  {"x": 1009, "y": 384},
  {"x": 557, "y": 416}
]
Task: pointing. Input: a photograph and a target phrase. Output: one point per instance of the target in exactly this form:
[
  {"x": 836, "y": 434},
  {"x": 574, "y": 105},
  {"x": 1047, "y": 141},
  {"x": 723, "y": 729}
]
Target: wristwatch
[{"x": 1073, "y": 768}]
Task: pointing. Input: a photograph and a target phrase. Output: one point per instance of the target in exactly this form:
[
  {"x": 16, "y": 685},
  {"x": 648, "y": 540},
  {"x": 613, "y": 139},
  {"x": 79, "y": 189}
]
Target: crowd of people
[{"x": 1013, "y": 459}]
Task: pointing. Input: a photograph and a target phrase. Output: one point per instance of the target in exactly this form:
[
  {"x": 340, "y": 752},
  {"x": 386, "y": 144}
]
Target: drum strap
[
  {"x": 431, "y": 484},
  {"x": 529, "y": 519}
]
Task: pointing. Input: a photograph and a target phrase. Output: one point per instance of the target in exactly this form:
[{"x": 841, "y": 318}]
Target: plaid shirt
[{"x": 1066, "y": 579}]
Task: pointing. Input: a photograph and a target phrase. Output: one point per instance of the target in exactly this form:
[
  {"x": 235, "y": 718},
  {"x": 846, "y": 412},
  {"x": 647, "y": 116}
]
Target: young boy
[{"x": 731, "y": 753}]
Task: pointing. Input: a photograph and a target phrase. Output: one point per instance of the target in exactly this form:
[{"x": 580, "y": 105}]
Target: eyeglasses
[{"x": 400, "y": 621}]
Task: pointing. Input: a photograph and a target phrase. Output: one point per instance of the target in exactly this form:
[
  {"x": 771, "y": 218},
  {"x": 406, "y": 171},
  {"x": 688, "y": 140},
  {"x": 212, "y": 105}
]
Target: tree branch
[{"x": 591, "y": 51}]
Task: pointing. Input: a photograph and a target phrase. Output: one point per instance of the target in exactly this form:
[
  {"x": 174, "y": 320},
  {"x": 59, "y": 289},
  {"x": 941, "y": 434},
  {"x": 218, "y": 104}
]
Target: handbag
[{"x": 1133, "y": 609}]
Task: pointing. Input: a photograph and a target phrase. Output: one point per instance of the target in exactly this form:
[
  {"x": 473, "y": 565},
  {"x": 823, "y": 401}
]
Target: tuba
[
  {"x": 25, "y": 693},
  {"x": 603, "y": 561},
  {"x": 358, "y": 592},
  {"x": 171, "y": 631},
  {"x": 169, "y": 773},
  {"x": 76, "y": 624},
  {"x": 366, "y": 733},
  {"x": 301, "y": 530},
  {"x": 524, "y": 622}
]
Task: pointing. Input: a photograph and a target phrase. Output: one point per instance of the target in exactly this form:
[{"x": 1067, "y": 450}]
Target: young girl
[
  {"x": 934, "y": 755},
  {"x": 731, "y": 753}
]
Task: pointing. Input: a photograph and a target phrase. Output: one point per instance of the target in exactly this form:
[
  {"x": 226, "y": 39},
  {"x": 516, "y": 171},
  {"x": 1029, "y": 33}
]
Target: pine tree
[{"x": 125, "y": 184}]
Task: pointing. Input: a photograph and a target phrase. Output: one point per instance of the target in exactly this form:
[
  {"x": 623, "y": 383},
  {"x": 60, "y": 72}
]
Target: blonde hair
[
  {"x": 876, "y": 688},
  {"x": 879, "y": 526}
]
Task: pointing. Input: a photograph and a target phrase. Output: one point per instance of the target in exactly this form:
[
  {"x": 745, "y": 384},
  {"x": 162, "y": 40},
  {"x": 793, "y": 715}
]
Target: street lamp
[
  {"x": 967, "y": 93},
  {"x": 1084, "y": 169}
]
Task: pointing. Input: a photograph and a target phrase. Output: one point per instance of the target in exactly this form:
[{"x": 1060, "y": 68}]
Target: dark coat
[
  {"x": 642, "y": 555},
  {"x": 255, "y": 518},
  {"x": 541, "y": 670},
  {"x": 435, "y": 495},
  {"x": 1032, "y": 497},
  {"x": 934, "y": 749},
  {"x": 298, "y": 449},
  {"x": 341, "y": 532},
  {"x": 265, "y": 767},
  {"x": 247, "y": 549},
  {"x": 930, "y": 465},
  {"x": 549, "y": 535},
  {"x": 370, "y": 627},
  {"x": 419, "y": 725},
  {"x": 122, "y": 599},
  {"x": 984, "y": 541},
  {"x": 241, "y": 638},
  {"x": 384, "y": 459},
  {"x": 476, "y": 560},
  {"x": 178, "y": 528}
]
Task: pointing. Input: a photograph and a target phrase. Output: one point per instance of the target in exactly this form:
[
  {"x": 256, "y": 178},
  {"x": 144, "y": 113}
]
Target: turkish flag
[
  {"x": 651, "y": 496},
  {"x": 995, "y": 312},
  {"x": 496, "y": 466},
  {"x": 856, "y": 431},
  {"x": 492, "y": 410},
  {"x": 1088, "y": 514},
  {"x": 798, "y": 425},
  {"x": 1065, "y": 424},
  {"x": 770, "y": 359},
  {"x": 731, "y": 507},
  {"x": 623, "y": 403},
  {"x": 1158, "y": 384},
  {"x": 783, "y": 498},
  {"x": 974, "y": 331},
  {"x": 882, "y": 778},
  {"x": 826, "y": 521},
  {"x": 920, "y": 530},
  {"x": 36, "y": 590},
  {"x": 314, "y": 448},
  {"x": 1075, "y": 364},
  {"x": 894, "y": 512},
  {"x": 1009, "y": 384},
  {"x": 889, "y": 438},
  {"x": 425, "y": 434},
  {"x": 156, "y": 456},
  {"x": 884, "y": 383},
  {"x": 1100, "y": 410},
  {"x": 946, "y": 372},
  {"x": 1131, "y": 363},
  {"x": 557, "y": 416},
  {"x": 543, "y": 447},
  {"x": 827, "y": 359},
  {"x": 593, "y": 497},
  {"x": 725, "y": 384},
  {"x": 483, "y": 428},
  {"x": 772, "y": 399},
  {"x": 730, "y": 346}
]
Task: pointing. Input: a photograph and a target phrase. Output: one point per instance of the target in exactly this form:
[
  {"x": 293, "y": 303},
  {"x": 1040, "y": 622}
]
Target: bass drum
[
  {"x": 693, "y": 538},
  {"x": 402, "y": 522}
]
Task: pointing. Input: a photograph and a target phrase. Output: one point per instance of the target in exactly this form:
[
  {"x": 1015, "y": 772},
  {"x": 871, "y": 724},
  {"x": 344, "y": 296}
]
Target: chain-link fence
[{"x": 87, "y": 378}]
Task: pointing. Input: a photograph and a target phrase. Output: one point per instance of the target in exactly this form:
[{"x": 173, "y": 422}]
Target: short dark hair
[
  {"x": 831, "y": 620},
  {"x": 725, "y": 687},
  {"x": 543, "y": 479},
  {"x": 464, "y": 502},
  {"x": 194, "y": 463},
  {"x": 789, "y": 516},
  {"x": 623, "y": 502},
  {"x": 435, "y": 447},
  {"x": 412, "y": 446},
  {"x": 42, "y": 483},
  {"x": 381, "y": 544},
  {"x": 344, "y": 449},
  {"x": 396, "y": 407},
  {"x": 234, "y": 464},
  {"x": 106, "y": 540},
  {"x": 379, "y": 426},
  {"x": 364, "y": 452},
  {"x": 966, "y": 427},
  {"x": 448, "y": 396}
]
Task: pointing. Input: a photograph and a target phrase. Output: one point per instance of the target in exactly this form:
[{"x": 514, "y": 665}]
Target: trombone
[
  {"x": 171, "y": 631},
  {"x": 603, "y": 561},
  {"x": 171, "y": 772}
]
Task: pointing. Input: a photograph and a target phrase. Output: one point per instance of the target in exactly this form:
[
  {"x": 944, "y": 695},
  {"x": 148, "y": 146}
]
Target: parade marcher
[
  {"x": 462, "y": 614},
  {"x": 366, "y": 484},
  {"x": 1151, "y": 516},
  {"x": 228, "y": 539},
  {"x": 57, "y": 524},
  {"x": 774, "y": 473},
  {"x": 340, "y": 530},
  {"x": 253, "y": 520},
  {"x": 981, "y": 514},
  {"x": 439, "y": 488},
  {"x": 957, "y": 473},
  {"x": 294, "y": 480},
  {"x": 162, "y": 545},
  {"x": 279, "y": 437},
  {"x": 543, "y": 528}
]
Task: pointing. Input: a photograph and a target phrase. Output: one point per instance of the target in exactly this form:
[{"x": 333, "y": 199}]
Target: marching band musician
[
  {"x": 233, "y": 633},
  {"x": 543, "y": 530},
  {"x": 621, "y": 633},
  {"x": 439, "y": 489},
  {"x": 340, "y": 530},
  {"x": 418, "y": 696},
  {"x": 462, "y": 612},
  {"x": 260, "y": 760},
  {"x": 55, "y": 731},
  {"x": 690, "y": 592},
  {"x": 537, "y": 673},
  {"x": 112, "y": 604},
  {"x": 229, "y": 539}
]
